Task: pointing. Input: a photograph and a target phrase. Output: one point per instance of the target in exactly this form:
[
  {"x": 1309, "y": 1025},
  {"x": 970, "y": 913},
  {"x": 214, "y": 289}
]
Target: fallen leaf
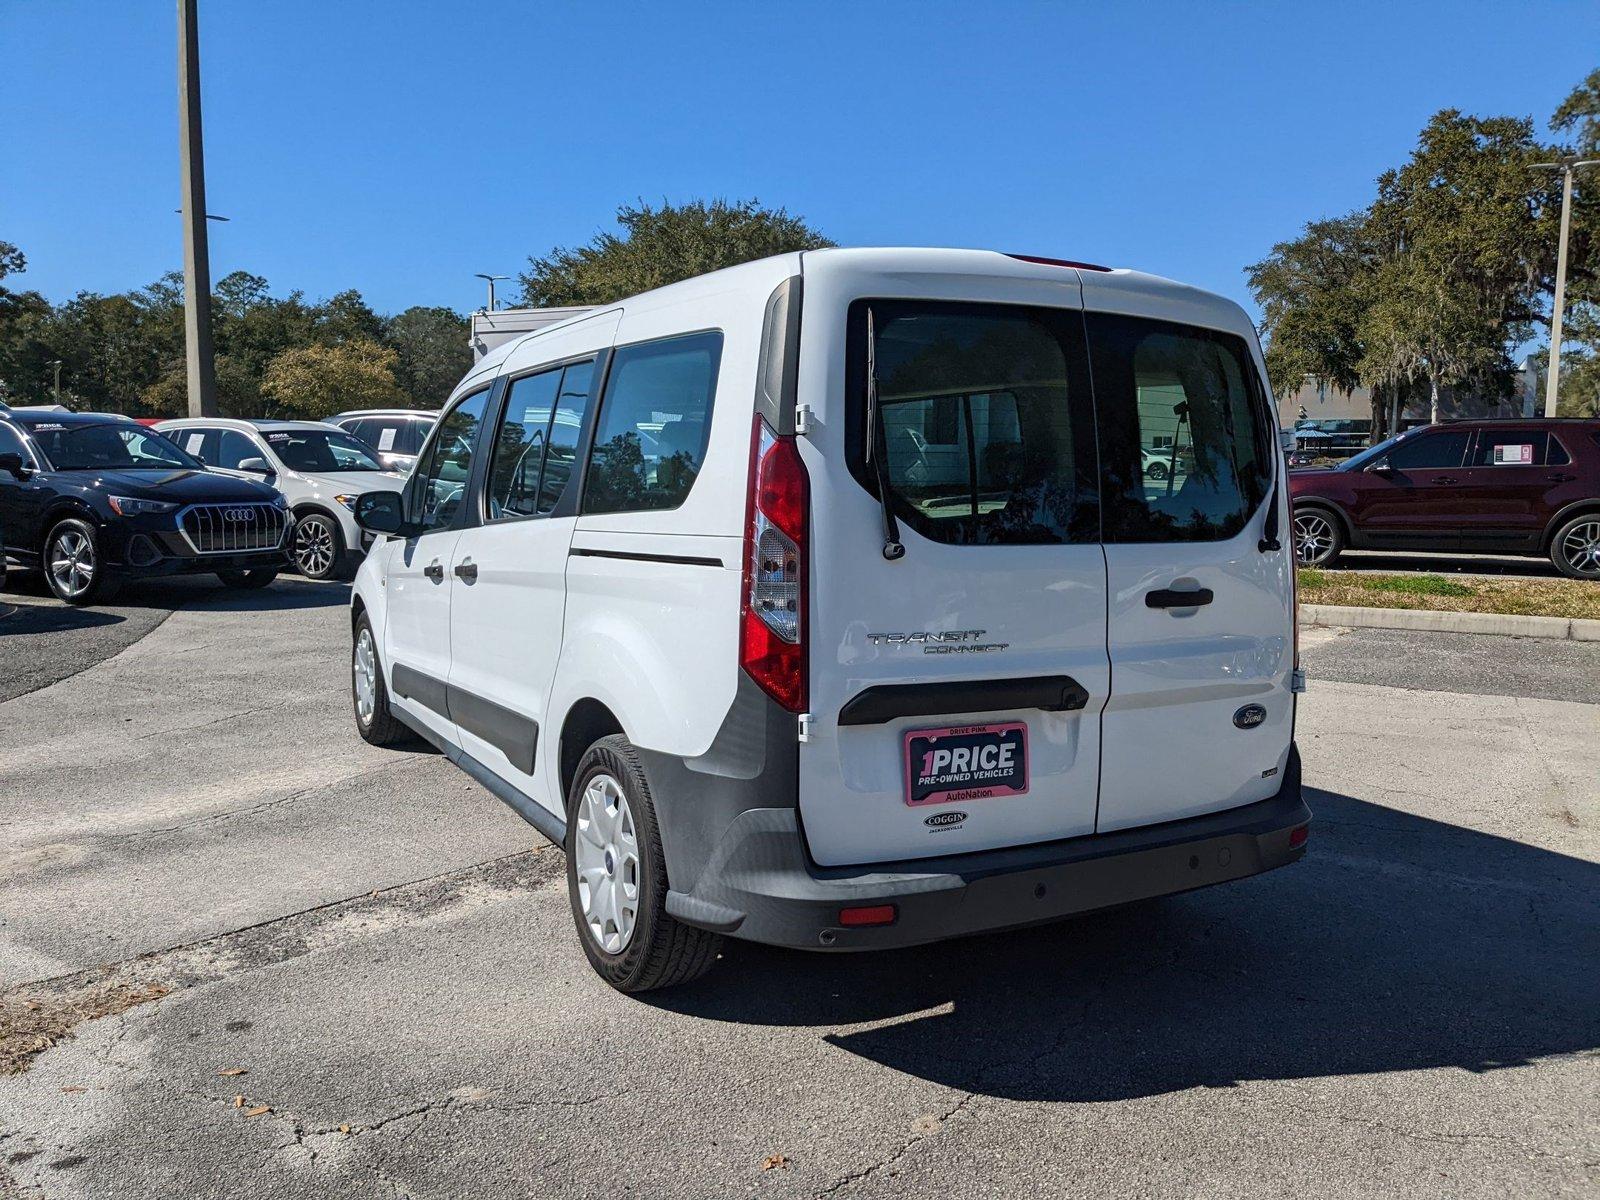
[
  {"x": 258, "y": 1110},
  {"x": 74, "y": 1090},
  {"x": 344, "y": 1129},
  {"x": 235, "y": 1071},
  {"x": 238, "y": 1101},
  {"x": 34, "y": 1006},
  {"x": 775, "y": 1160}
]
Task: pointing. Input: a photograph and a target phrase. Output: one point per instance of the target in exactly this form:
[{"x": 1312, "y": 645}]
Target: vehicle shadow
[
  {"x": 1398, "y": 943},
  {"x": 1446, "y": 564},
  {"x": 178, "y": 591}
]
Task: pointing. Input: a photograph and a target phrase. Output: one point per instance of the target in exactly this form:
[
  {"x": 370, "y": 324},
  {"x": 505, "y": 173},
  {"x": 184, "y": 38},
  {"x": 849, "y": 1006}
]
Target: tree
[
  {"x": 432, "y": 353},
  {"x": 662, "y": 245},
  {"x": 1578, "y": 116},
  {"x": 316, "y": 381}
]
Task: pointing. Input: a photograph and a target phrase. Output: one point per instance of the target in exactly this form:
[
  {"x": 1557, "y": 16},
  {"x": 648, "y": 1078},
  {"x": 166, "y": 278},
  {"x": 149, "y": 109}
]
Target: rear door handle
[
  {"x": 1443, "y": 479},
  {"x": 1167, "y": 598},
  {"x": 434, "y": 571},
  {"x": 1558, "y": 477},
  {"x": 467, "y": 570}
]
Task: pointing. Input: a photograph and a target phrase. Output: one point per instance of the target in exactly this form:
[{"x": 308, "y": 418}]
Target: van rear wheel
[{"x": 617, "y": 877}]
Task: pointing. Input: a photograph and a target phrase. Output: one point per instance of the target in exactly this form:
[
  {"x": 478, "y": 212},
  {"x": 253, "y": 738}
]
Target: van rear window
[
  {"x": 1185, "y": 430},
  {"x": 987, "y": 428}
]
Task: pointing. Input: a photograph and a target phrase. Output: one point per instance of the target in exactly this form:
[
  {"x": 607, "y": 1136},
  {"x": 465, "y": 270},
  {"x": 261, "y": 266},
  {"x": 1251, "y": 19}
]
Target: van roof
[{"x": 1132, "y": 288}]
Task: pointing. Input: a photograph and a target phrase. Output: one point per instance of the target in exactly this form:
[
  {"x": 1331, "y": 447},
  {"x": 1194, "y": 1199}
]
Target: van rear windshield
[{"x": 994, "y": 434}]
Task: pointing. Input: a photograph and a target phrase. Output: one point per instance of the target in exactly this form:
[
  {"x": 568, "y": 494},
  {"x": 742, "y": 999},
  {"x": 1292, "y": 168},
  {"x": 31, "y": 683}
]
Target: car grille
[{"x": 233, "y": 528}]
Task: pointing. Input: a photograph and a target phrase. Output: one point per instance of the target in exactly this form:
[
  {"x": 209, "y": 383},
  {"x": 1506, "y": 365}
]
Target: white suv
[
  {"x": 319, "y": 468},
  {"x": 824, "y": 601},
  {"x": 396, "y": 434}
]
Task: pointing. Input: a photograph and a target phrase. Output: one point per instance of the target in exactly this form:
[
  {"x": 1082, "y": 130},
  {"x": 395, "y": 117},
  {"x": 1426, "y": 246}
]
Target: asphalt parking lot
[{"x": 329, "y": 970}]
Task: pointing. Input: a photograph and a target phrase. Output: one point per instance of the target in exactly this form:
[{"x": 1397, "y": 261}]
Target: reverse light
[
  {"x": 127, "y": 506},
  {"x": 772, "y": 602}
]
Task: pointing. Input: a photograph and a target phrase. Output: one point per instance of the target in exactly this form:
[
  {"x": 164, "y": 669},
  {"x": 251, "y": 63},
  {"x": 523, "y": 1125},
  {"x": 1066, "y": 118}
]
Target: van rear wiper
[{"x": 877, "y": 450}]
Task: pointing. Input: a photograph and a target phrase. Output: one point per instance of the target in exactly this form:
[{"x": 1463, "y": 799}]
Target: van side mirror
[
  {"x": 381, "y": 512},
  {"x": 12, "y": 463},
  {"x": 256, "y": 466}
]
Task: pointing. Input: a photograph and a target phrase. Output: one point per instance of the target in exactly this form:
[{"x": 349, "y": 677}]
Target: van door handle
[
  {"x": 1443, "y": 479},
  {"x": 467, "y": 570},
  {"x": 1167, "y": 598},
  {"x": 434, "y": 571}
]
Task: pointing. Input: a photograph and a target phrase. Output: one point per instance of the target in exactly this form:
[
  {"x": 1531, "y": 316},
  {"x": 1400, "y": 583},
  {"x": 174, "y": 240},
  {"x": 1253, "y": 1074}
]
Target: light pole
[
  {"x": 196, "y": 252},
  {"x": 491, "y": 280},
  {"x": 55, "y": 366},
  {"x": 1566, "y": 166}
]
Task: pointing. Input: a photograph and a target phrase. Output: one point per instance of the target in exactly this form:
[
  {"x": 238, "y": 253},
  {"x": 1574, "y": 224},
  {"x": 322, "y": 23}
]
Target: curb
[{"x": 1572, "y": 629}]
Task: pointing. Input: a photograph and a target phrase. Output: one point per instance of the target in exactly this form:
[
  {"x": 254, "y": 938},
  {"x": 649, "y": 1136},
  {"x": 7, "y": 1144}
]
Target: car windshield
[
  {"x": 320, "y": 450},
  {"x": 112, "y": 446}
]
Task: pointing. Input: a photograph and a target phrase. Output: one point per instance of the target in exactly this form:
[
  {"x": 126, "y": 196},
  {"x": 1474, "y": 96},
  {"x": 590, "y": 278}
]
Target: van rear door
[
  {"x": 1200, "y": 626},
  {"x": 954, "y": 692}
]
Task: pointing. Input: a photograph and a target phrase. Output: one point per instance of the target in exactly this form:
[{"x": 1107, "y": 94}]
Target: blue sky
[{"x": 399, "y": 146}]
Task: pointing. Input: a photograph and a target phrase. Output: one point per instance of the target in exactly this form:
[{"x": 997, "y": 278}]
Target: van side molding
[{"x": 885, "y": 702}]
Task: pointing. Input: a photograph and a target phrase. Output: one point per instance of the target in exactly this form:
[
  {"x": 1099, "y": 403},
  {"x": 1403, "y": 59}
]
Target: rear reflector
[
  {"x": 1058, "y": 262},
  {"x": 1297, "y": 837},
  {"x": 867, "y": 914}
]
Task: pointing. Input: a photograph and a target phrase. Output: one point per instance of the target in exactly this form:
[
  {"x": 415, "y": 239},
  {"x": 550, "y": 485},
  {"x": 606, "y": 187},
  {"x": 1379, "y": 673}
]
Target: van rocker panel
[{"x": 760, "y": 885}]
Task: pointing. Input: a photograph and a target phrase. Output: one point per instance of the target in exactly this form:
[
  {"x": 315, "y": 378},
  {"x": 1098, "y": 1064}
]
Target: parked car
[
  {"x": 396, "y": 433},
  {"x": 93, "y": 499},
  {"x": 319, "y": 468},
  {"x": 1525, "y": 487},
  {"x": 767, "y": 670}
]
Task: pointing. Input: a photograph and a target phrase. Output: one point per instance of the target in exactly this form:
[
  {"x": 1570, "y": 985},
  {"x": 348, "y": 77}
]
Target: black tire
[
  {"x": 1575, "y": 549},
  {"x": 1318, "y": 537},
  {"x": 662, "y": 952},
  {"x": 380, "y": 727},
  {"x": 260, "y": 577},
  {"x": 1157, "y": 470},
  {"x": 77, "y": 542},
  {"x": 317, "y": 547}
]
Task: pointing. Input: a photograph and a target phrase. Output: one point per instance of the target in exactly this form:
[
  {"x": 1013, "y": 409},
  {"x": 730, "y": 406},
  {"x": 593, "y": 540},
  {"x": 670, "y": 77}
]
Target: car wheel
[
  {"x": 72, "y": 565},
  {"x": 317, "y": 547},
  {"x": 375, "y": 721},
  {"x": 1157, "y": 470},
  {"x": 1317, "y": 537},
  {"x": 1575, "y": 550},
  {"x": 250, "y": 580},
  {"x": 617, "y": 877}
]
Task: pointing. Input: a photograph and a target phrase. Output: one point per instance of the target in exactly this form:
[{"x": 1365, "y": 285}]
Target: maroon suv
[{"x": 1482, "y": 487}]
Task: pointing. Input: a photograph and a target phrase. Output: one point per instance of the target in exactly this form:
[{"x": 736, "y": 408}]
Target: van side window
[
  {"x": 654, "y": 421},
  {"x": 441, "y": 479},
  {"x": 519, "y": 446},
  {"x": 987, "y": 425},
  {"x": 1185, "y": 429}
]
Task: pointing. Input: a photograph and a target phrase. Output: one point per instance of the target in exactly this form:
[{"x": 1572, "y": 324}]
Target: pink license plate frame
[{"x": 979, "y": 774}]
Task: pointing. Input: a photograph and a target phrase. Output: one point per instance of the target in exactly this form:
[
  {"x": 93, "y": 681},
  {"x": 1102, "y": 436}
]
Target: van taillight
[{"x": 772, "y": 604}]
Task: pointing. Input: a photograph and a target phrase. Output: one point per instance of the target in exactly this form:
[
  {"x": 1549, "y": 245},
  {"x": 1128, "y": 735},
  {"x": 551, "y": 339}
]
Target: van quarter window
[
  {"x": 1191, "y": 396},
  {"x": 654, "y": 420},
  {"x": 520, "y": 444},
  {"x": 986, "y": 420}
]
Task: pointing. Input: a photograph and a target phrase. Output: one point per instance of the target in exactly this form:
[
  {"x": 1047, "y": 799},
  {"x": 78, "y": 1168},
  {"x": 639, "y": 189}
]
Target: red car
[{"x": 1482, "y": 487}]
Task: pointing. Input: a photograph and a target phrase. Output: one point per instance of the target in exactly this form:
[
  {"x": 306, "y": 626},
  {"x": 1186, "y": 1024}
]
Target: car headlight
[
  {"x": 348, "y": 501},
  {"x": 127, "y": 506}
]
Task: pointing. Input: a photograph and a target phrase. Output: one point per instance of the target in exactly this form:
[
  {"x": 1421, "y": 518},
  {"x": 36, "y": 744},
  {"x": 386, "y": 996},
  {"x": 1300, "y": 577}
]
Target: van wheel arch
[{"x": 587, "y": 721}]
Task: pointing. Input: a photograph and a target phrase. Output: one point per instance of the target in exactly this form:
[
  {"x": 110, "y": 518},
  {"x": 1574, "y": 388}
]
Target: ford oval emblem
[
  {"x": 943, "y": 820},
  {"x": 1249, "y": 716}
]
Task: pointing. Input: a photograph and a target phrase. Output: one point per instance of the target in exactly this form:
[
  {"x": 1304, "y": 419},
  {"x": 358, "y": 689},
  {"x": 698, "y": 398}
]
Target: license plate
[{"x": 966, "y": 762}]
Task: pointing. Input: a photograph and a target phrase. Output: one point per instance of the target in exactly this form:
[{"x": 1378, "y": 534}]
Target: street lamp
[
  {"x": 1566, "y": 166},
  {"x": 491, "y": 281},
  {"x": 55, "y": 366}
]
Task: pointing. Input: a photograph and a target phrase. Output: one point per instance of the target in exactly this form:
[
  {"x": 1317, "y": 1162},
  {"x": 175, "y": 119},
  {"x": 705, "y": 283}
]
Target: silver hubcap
[
  {"x": 366, "y": 677},
  {"x": 1313, "y": 538},
  {"x": 72, "y": 562},
  {"x": 313, "y": 546},
  {"x": 607, "y": 864},
  {"x": 1581, "y": 548}
]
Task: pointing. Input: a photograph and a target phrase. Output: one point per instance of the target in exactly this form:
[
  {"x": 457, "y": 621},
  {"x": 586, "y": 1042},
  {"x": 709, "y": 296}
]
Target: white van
[
  {"x": 826, "y": 601},
  {"x": 319, "y": 468}
]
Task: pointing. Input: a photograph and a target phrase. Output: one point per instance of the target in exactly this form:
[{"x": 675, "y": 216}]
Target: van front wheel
[{"x": 617, "y": 877}]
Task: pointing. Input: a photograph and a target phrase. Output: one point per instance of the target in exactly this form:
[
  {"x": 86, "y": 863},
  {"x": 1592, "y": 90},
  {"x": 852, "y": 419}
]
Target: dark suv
[
  {"x": 1483, "y": 487},
  {"x": 93, "y": 499}
]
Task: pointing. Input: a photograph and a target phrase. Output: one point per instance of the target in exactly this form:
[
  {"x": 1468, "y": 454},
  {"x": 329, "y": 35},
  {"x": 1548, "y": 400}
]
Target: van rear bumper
[{"x": 759, "y": 884}]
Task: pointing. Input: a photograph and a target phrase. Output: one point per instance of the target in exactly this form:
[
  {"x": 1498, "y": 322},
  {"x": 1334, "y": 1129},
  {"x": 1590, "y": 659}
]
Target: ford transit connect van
[{"x": 827, "y": 601}]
